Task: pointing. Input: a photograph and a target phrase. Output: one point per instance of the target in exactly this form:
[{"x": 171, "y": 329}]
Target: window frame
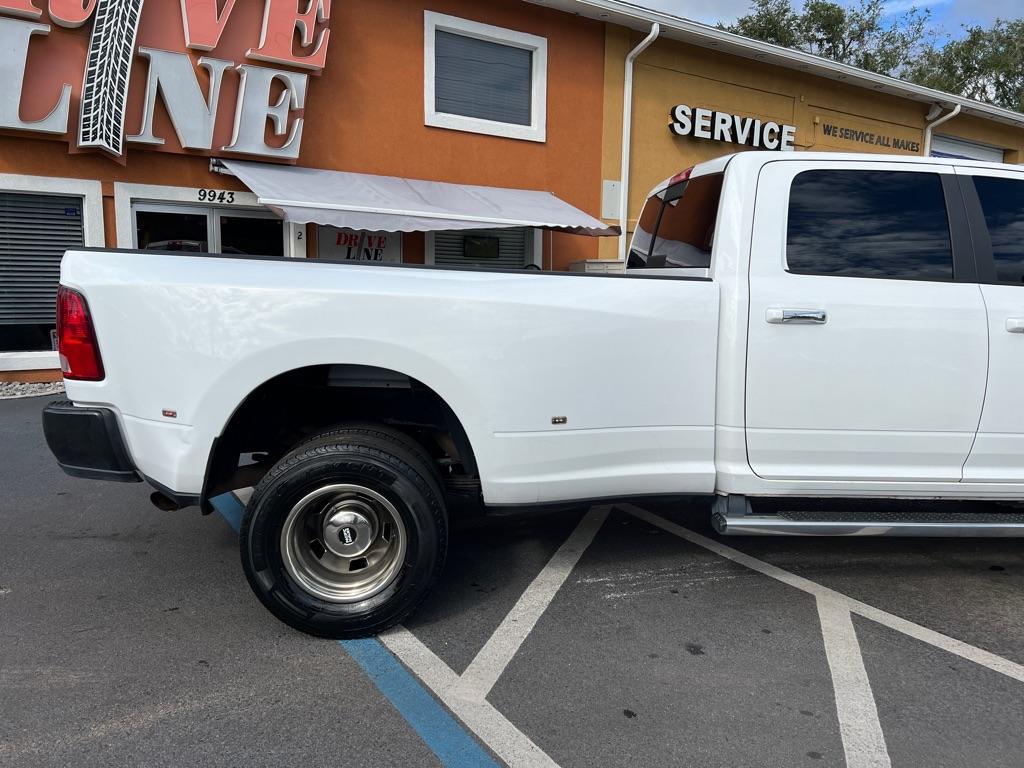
[
  {"x": 534, "y": 247},
  {"x": 669, "y": 198},
  {"x": 666, "y": 198},
  {"x": 90, "y": 191},
  {"x": 213, "y": 215},
  {"x": 146, "y": 206},
  {"x": 93, "y": 236},
  {"x": 434, "y": 22},
  {"x": 965, "y": 268},
  {"x": 129, "y": 195}
]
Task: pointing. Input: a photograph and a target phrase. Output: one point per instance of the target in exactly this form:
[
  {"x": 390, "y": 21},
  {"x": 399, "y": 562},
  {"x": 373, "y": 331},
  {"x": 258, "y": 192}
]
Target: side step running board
[{"x": 935, "y": 524}]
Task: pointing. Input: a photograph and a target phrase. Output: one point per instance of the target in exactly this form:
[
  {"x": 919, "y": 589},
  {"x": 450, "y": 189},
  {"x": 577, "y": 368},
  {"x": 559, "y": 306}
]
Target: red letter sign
[
  {"x": 203, "y": 27},
  {"x": 71, "y": 13},
  {"x": 22, "y": 8},
  {"x": 280, "y": 20}
]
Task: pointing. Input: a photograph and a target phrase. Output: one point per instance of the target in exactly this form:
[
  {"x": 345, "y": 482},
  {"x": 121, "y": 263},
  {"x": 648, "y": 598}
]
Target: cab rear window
[{"x": 677, "y": 226}]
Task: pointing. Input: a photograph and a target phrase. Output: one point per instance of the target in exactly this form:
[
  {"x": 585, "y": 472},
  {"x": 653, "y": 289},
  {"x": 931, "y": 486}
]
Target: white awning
[{"x": 393, "y": 204}]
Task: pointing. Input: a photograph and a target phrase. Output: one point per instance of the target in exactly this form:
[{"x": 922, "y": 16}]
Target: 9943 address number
[{"x": 216, "y": 196}]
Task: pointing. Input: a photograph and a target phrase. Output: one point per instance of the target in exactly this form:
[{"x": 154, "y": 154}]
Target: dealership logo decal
[
  {"x": 171, "y": 77},
  {"x": 708, "y": 124}
]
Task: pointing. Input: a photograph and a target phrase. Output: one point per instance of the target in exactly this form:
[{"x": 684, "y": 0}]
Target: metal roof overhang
[
  {"x": 692, "y": 32},
  {"x": 392, "y": 204}
]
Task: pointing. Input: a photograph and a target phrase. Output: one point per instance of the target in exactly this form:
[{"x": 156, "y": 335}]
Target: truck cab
[{"x": 871, "y": 318}]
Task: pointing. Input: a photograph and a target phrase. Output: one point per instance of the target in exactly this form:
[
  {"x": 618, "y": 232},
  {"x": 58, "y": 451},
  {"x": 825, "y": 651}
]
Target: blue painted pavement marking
[
  {"x": 230, "y": 508},
  {"x": 438, "y": 728}
]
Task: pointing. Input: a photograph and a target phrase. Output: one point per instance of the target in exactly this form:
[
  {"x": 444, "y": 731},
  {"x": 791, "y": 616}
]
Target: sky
[{"x": 947, "y": 14}]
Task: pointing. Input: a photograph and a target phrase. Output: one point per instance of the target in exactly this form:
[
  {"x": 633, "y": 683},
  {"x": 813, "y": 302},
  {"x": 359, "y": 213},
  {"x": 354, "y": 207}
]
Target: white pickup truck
[{"x": 791, "y": 325}]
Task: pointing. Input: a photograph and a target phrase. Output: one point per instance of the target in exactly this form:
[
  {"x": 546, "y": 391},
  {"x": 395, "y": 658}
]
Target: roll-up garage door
[
  {"x": 495, "y": 248},
  {"x": 35, "y": 230},
  {"x": 947, "y": 146}
]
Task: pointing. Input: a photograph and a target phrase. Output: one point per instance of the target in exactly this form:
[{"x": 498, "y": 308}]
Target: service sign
[
  {"x": 709, "y": 124},
  {"x": 96, "y": 71}
]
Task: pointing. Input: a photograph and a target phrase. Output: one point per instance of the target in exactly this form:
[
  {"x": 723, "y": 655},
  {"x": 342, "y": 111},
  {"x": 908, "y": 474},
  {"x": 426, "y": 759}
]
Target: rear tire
[{"x": 344, "y": 537}]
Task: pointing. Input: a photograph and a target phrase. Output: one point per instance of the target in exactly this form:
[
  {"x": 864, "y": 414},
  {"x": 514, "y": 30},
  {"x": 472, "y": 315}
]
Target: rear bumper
[{"x": 87, "y": 442}]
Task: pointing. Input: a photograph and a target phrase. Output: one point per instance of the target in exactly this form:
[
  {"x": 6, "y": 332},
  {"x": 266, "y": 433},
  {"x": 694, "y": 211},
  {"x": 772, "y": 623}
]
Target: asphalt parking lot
[{"x": 608, "y": 636}]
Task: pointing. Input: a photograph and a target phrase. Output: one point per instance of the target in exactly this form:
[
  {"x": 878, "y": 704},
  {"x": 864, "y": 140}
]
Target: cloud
[
  {"x": 707, "y": 11},
  {"x": 949, "y": 13}
]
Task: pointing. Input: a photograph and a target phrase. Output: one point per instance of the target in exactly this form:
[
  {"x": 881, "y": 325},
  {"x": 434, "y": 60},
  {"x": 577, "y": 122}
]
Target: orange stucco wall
[{"x": 364, "y": 113}]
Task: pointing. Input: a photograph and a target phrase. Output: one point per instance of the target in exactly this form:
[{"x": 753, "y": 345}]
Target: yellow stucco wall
[{"x": 671, "y": 73}]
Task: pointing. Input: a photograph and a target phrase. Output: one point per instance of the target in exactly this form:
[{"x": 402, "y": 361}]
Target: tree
[
  {"x": 856, "y": 35},
  {"x": 772, "y": 21},
  {"x": 984, "y": 64}
]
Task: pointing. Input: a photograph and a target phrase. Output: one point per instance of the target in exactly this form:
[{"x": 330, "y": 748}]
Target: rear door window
[
  {"x": 677, "y": 226},
  {"x": 1002, "y": 202},
  {"x": 865, "y": 223}
]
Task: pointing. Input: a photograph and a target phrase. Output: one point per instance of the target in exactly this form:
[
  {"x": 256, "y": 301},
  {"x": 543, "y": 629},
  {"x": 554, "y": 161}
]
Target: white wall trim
[
  {"x": 125, "y": 194},
  {"x": 537, "y": 130},
  {"x": 28, "y": 361},
  {"x": 90, "y": 191},
  {"x": 295, "y": 240},
  {"x": 93, "y": 236},
  {"x": 538, "y": 248},
  {"x": 428, "y": 249}
]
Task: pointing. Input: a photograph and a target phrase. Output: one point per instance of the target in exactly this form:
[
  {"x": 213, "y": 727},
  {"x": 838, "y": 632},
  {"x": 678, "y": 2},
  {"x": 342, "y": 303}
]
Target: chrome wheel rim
[{"x": 343, "y": 543}]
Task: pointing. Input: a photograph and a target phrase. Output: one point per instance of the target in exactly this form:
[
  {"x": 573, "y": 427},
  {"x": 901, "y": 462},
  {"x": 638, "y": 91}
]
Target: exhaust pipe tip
[{"x": 163, "y": 502}]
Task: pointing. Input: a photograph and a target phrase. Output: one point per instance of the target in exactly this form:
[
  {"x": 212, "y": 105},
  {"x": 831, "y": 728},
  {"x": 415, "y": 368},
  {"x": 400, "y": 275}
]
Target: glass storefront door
[
  {"x": 204, "y": 229},
  {"x": 251, "y": 233}
]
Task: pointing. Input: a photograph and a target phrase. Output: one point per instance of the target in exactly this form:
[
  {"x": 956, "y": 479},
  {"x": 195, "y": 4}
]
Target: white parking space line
[
  {"x": 485, "y": 669},
  {"x": 931, "y": 637},
  {"x": 490, "y": 726},
  {"x": 859, "y": 727},
  {"x": 466, "y": 696}
]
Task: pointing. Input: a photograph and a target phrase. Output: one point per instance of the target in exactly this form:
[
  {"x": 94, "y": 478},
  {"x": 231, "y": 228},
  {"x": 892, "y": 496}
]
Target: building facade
[
  {"x": 341, "y": 88},
  {"x": 118, "y": 119}
]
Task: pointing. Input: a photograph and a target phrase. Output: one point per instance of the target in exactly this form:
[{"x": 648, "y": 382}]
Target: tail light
[
  {"x": 681, "y": 176},
  {"x": 76, "y": 339}
]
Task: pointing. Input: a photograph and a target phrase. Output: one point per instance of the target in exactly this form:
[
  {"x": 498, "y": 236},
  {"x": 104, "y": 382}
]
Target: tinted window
[
  {"x": 889, "y": 224},
  {"x": 677, "y": 227},
  {"x": 480, "y": 78},
  {"x": 1002, "y": 200},
  {"x": 247, "y": 234},
  {"x": 161, "y": 231}
]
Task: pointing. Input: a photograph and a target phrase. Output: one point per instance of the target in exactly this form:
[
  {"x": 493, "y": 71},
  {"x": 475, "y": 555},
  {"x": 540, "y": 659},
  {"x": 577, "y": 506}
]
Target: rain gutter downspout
[
  {"x": 935, "y": 124},
  {"x": 627, "y": 136}
]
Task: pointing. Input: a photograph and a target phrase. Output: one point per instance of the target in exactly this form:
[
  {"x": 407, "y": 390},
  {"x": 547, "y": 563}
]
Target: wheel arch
[{"x": 298, "y": 402}]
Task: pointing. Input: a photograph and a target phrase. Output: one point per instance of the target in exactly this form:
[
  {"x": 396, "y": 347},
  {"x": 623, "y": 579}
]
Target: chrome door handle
[
  {"x": 1015, "y": 325},
  {"x": 796, "y": 316}
]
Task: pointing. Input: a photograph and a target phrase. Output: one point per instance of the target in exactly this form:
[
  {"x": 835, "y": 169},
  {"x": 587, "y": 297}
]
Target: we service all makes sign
[{"x": 712, "y": 125}]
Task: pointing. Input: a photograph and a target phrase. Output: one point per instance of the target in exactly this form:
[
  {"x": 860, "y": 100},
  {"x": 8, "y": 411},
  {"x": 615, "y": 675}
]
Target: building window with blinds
[
  {"x": 35, "y": 230},
  {"x": 483, "y": 248},
  {"x": 484, "y": 79}
]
